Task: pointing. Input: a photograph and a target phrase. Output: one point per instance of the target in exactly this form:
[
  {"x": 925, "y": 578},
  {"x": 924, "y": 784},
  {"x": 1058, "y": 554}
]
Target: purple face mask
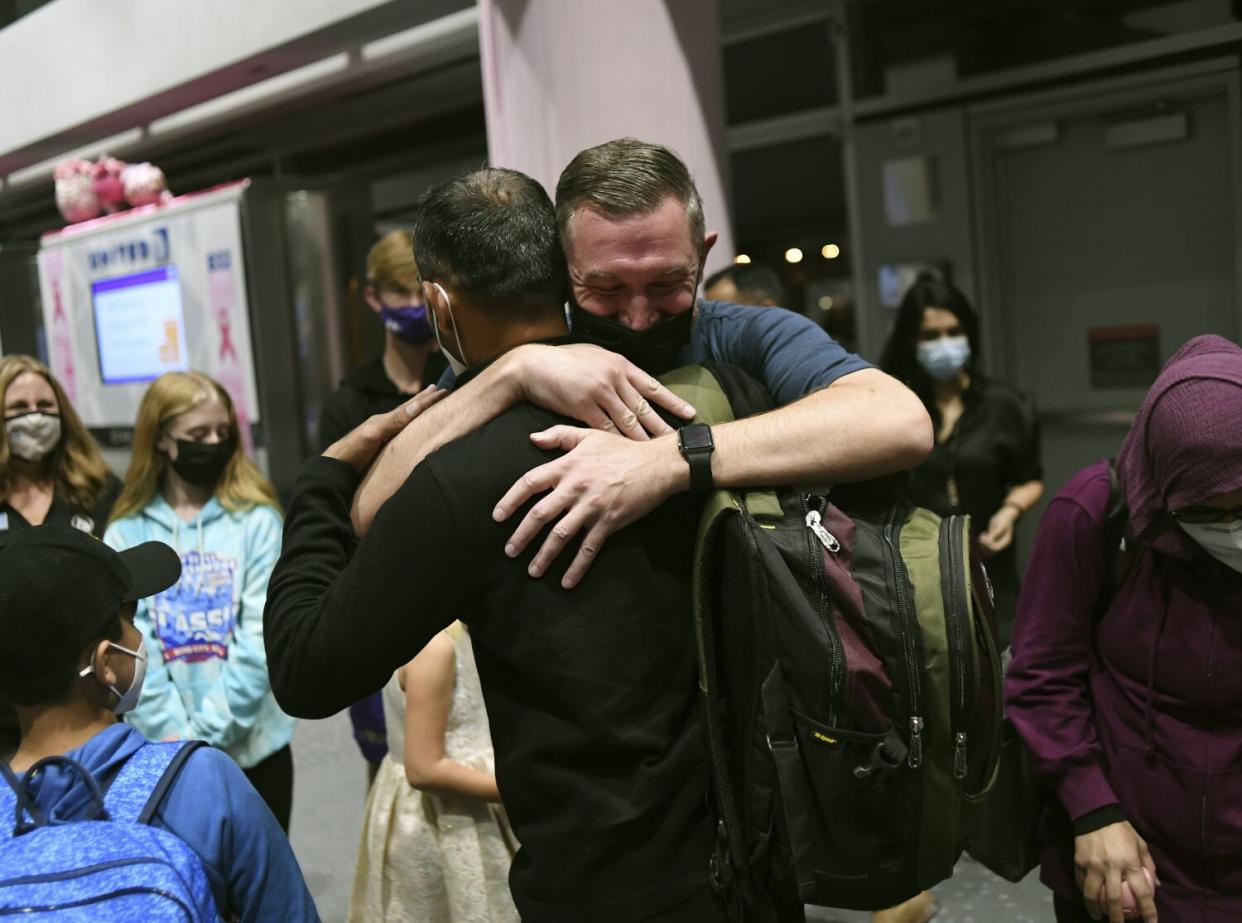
[{"x": 407, "y": 323}]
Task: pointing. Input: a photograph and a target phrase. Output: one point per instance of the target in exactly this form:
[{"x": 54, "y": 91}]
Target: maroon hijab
[{"x": 1185, "y": 446}]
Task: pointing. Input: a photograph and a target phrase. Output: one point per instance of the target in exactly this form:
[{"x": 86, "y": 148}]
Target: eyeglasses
[{"x": 1202, "y": 515}]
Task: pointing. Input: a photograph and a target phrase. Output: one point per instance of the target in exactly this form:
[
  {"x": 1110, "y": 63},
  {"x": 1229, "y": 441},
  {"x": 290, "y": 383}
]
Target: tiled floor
[
  {"x": 972, "y": 895},
  {"x": 330, "y": 788}
]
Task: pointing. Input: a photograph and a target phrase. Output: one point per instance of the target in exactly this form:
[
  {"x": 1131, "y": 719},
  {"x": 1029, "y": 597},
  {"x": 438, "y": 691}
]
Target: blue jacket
[
  {"x": 214, "y": 809},
  {"x": 207, "y": 668}
]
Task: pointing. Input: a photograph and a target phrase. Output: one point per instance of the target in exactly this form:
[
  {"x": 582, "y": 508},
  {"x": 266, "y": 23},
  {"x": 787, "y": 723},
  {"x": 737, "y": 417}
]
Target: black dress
[
  {"x": 61, "y": 513},
  {"x": 993, "y": 448}
]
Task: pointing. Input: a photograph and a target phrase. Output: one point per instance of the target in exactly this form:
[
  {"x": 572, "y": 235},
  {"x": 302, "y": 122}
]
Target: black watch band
[{"x": 695, "y": 442}]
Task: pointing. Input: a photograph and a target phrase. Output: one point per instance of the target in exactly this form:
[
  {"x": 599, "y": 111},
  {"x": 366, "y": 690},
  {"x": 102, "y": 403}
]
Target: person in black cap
[{"x": 71, "y": 661}]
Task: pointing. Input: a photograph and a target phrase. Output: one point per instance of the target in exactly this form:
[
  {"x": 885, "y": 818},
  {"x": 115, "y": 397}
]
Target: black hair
[
  {"x": 491, "y": 234},
  {"x": 45, "y": 677},
  {"x": 752, "y": 281},
  {"x": 718, "y": 276},
  {"x": 758, "y": 281},
  {"x": 900, "y": 356}
]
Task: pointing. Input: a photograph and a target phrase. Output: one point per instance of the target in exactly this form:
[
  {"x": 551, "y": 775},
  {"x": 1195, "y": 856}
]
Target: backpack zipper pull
[
  {"x": 959, "y": 755},
  {"x": 916, "y": 742},
  {"x": 826, "y": 538}
]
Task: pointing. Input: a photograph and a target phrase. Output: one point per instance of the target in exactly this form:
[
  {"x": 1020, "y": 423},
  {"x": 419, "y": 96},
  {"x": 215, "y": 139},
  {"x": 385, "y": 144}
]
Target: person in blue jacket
[
  {"x": 71, "y": 661},
  {"x": 191, "y": 486}
]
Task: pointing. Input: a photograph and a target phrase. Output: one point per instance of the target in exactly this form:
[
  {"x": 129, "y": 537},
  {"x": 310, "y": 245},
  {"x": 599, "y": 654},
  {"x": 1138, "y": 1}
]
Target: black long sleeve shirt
[{"x": 591, "y": 693}]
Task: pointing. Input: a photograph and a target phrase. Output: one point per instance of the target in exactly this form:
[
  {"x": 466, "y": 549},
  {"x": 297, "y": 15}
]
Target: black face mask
[
  {"x": 202, "y": 463},
  {"x": 654, "y": 350}
]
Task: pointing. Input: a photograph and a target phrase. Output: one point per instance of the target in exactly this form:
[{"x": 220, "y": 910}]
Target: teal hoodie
[{"x": 207, "y": 666}]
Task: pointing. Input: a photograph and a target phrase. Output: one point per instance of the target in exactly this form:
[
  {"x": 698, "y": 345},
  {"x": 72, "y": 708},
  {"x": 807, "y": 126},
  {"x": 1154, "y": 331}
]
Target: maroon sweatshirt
[{"x": 1140, "y": 705}]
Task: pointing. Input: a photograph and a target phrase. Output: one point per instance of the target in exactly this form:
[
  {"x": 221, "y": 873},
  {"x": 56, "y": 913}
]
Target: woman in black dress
[{"x": 986, "y": 461}]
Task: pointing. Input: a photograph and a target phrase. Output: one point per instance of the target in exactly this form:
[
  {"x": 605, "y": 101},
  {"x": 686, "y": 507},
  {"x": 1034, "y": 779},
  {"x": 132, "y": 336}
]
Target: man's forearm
[
  {"x": 317, "y": 547},
  {"x": 481, "y": 399},
  {"x": 862, "y": 426}
]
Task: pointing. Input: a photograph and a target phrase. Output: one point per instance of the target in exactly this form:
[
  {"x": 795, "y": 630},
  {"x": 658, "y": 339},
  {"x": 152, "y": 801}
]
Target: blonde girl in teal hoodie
[{"x": 191, "y": 486}]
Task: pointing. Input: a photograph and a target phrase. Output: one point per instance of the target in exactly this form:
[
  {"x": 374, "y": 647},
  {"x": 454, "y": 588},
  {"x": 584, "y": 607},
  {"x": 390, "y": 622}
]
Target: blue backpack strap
[
  {"x": 184, "y": 751},
  {"x": 150, "y": 770}
]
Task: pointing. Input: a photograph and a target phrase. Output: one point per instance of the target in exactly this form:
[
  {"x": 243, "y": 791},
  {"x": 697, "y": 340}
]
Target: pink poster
[
  {"x": 223, "y": 307},
  {"x": 61, "y": 333}
]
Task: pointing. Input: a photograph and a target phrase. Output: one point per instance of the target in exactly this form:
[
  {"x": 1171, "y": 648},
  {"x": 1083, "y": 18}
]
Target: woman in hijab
[{"x": 1126, "y": 682}]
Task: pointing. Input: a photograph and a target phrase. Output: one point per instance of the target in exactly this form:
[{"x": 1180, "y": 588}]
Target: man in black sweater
[{"x": 591, "y": 694}]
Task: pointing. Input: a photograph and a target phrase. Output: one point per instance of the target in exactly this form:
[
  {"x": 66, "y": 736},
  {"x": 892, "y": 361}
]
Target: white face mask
[
  {"x": 129, "y": 698},
  {"x": 945, "y": 357},
  {"x": 32, "y": 436},
  {"x": 457, "y": 365},
  {"x": 1222, "y": 540}
]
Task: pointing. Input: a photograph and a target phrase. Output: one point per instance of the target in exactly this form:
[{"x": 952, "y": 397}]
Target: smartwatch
[{"x": 695, "y": 442}]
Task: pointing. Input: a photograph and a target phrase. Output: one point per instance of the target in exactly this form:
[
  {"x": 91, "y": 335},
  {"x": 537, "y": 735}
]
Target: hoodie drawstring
[
  {"x": 202, "y": 554},
  {"x": 1166, "y": 598}
]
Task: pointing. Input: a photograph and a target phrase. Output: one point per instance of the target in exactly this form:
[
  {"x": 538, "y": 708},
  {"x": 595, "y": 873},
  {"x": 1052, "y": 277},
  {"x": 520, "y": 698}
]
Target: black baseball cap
[{"x": 60, "y": 589}]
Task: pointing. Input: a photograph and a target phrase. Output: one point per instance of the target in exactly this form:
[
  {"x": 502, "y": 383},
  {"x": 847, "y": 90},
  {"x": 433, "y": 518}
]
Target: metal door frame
[{"x": 986, "y": 121}]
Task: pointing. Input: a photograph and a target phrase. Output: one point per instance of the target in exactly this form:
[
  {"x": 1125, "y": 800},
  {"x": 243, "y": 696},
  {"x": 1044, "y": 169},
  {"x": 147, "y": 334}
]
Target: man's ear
[
  {"x": 433, "y": 301},
  {"x": 709, "y": 241},
  {"x": 371, "y": 297},
  {"x": 436, "y": 299}
]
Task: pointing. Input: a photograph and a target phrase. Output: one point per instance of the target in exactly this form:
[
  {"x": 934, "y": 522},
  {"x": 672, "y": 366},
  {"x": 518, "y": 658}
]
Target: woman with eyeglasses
[
  {"x": 50, "y": 467},
  {"x": 1126, "y": 681}
]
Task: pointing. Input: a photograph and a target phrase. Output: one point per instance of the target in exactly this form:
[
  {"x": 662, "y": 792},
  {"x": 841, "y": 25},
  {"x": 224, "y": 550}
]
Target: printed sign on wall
[{"x": 160, "y": 288}]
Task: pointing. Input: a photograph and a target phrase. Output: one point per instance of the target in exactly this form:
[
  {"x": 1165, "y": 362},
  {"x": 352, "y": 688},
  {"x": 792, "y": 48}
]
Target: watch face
[{"x": 696, "y": 437}]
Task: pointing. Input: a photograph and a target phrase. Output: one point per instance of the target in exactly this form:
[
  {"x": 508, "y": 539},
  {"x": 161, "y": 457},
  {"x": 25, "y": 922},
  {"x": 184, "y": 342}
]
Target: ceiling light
[
  {"x": 793, "y": 255},
  {"x": 825, "y": 303},
  {"x": 741, "y": 258},
  {"x": 831, "y": 251}
]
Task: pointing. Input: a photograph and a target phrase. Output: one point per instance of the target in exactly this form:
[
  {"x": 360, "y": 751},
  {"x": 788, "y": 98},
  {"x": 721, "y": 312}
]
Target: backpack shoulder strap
[
  {"x": 722, "y": 393},
  {"x": 184, "y": 752},
  {"x": 144, "y": 780},
  {"x": 698, "y": 386}
]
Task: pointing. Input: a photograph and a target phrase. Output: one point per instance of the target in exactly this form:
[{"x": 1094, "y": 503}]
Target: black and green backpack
[{"x": 850, "y": 683}]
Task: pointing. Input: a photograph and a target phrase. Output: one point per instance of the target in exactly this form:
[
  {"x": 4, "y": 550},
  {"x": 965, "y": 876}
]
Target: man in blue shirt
[{"x": 632, "y": 227}]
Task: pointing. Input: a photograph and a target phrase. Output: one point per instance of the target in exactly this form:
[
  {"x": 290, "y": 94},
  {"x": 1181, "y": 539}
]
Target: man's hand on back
[
  {"x": 596, "y": 387},
  {"x": 603, "y": 484},
  {"x": 360, "y": 446}
]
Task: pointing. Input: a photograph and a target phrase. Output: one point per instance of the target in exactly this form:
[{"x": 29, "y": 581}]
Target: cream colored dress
[{"x": 429, "y": 858}]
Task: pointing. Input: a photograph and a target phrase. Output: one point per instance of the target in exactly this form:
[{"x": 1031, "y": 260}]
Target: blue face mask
[
  {"x": 408, "y": 324},
  {"x": 945, "y": 357}
]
